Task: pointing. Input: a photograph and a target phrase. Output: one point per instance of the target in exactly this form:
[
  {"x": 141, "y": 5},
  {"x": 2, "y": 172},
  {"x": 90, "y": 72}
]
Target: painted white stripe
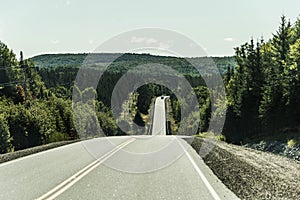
[
  {"x": 62, "y": 187},
  {"x": 202, "y": 176},
  {"x": 49, "y": 150},
  {"x": 38, "y": 154}
]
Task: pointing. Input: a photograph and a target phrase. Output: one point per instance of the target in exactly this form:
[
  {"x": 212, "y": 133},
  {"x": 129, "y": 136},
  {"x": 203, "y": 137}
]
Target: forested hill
[{"x": 75, "y": 60}]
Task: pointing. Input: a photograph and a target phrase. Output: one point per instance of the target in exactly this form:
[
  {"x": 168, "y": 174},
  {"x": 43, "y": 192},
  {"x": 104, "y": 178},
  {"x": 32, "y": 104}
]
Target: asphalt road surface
[
  {"x": 129, "y": 167},
  {"x": 159, "y": 118}
]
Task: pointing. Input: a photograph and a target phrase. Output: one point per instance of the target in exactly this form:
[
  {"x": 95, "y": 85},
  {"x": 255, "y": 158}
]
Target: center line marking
[{"x": 62, "y": 187}]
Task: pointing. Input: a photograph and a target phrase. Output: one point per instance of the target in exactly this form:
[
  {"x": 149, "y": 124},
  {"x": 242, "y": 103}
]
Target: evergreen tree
[
  {"x": 10, "y": 73},
  {"x": 292, "y": 77},
  {"x": 34, "y": 86},
  {"x": 244, "y": 94},
  {"x": 281, "y": 41}
]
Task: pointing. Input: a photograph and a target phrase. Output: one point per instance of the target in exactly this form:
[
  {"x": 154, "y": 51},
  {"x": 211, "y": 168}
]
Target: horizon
[{"x": 150, "y": 54}]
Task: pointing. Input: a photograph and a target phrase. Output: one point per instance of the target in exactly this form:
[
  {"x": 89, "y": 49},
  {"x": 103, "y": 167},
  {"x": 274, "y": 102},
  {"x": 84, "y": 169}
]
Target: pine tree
[
  {"x": 292, "y": 78},
  {"x": 272, "y": 102},
  {"x": 11, "y": 74},
  {"x": 34, "y": 85},
  {"x": 296, "y": 31},
  {"x": 244, "y": 94},
  {"x": 281, "y": 41}
]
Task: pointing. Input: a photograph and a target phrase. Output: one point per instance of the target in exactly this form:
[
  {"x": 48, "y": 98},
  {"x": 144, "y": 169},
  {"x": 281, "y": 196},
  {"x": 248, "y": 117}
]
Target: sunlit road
[
  {"x": 133, "y": 168},
  {"x": 159, "y": 118}
]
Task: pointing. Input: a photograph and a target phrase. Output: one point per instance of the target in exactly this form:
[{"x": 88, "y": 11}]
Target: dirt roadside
[{"x": 253, "y": 174}]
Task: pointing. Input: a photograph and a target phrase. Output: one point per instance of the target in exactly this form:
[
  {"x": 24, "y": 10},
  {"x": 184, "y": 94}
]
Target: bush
[
  {"x": 57, "y": 137},
  {"x": 5, "y": 138},
  {"x": 291, "y": 143},
  {"x": 221, "y": 138}
]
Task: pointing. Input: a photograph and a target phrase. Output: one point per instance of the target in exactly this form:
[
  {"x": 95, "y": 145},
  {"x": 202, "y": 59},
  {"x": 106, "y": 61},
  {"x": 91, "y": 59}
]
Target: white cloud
[
  {"x": 143, "y": 40},
  {"x": 152, "y": 42},
  {"x": 54, "y": 41},
  {"x": 228, "y": 39},
  {"x": 163, "y": 45}
]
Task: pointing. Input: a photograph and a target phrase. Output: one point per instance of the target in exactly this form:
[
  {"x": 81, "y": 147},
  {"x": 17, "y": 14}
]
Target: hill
[{"x": 125, "y": 61}]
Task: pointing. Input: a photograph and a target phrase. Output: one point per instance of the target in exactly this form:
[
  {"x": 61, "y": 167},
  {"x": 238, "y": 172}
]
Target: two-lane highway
[
  {"x": 186, "y": 177},
  {"x": 130, "y": 167}
]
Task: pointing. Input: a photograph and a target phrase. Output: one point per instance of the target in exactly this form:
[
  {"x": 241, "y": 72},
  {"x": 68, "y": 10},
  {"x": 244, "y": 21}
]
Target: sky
[{"x": 73, "y": 26}]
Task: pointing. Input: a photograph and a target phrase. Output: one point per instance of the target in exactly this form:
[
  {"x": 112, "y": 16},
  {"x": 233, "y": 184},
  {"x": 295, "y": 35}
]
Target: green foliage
[
  {"x": 221, "y": 138},
  {"x": 5, "y": 139},
  {"x": 244, "y": 92},
  {"x": 205, "y": 107},
  {"x": 30, "y": 124},
  {"x": 54, "y": 60},
  {"x": 28, "y": 115},
  {"x": 291, "y": 143},
  {"x": 11, "y": 73},
  {"x": 85, "y": 118},
  {"x": 107, "y": 124},
  {"x": 56, "y": 137},
  {"x": 35, "y": 87},
  {"x": 123, "y": 62},
  {"x": 263, "y": 93}
]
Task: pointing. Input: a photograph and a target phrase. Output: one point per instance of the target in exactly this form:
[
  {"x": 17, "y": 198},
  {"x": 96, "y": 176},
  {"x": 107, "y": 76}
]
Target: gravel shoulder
[{"x": 253, "y": 174}]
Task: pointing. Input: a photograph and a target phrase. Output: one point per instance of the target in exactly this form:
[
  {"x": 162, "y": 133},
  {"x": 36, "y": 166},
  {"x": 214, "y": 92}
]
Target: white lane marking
[
  {"x": 62, "y": 187},
  {"x": 48, "y": 151},
  {"x": 202, "y": 176},
  {"x": 37, "y": 154}
]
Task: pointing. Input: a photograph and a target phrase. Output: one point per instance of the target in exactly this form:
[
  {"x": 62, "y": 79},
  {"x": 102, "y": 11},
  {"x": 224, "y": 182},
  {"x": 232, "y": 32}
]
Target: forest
[
  {"x": 261, "y": 81},
  {"x": 263, "y": 90}
]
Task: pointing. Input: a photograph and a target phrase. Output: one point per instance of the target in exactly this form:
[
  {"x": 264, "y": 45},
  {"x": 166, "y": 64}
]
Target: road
[
  {"x": 129, "y": 167},
  {"x": 159, "y": 118}
]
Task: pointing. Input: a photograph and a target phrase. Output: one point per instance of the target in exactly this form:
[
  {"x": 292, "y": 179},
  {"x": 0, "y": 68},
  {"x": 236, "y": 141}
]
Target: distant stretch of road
[
  {"x": 129, "y": 168},
  {"x": 159, "y": 118}
]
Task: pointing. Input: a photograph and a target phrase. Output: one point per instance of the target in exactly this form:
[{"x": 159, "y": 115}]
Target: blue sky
[{"x": 58, "y": 26}]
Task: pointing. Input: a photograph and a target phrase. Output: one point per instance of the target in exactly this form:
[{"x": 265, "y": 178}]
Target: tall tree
[
  {"x": 10, "y": 73},
  {"x": 244, "y": 93},
  {"x": 35, "y": 87},
  {"x": 276, "y": 88},
  {"x": 281, "y": 41}
]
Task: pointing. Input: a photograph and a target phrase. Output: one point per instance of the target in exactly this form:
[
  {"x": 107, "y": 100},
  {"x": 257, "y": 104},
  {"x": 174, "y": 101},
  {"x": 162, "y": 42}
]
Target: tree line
[{"x": 263, "y": 89}]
